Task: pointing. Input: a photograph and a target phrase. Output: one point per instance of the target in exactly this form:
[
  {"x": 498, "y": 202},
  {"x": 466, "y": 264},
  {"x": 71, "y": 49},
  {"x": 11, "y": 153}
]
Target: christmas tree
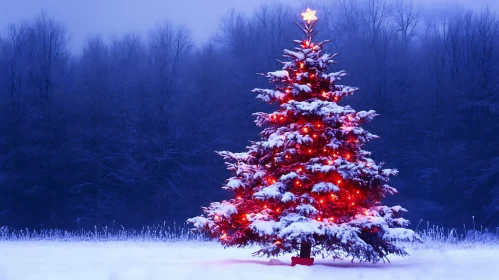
[{"x": 307, "y": 186}]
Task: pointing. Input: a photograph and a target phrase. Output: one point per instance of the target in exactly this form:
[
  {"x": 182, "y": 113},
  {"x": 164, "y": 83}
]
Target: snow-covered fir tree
[{"x": 308, "y": 186}]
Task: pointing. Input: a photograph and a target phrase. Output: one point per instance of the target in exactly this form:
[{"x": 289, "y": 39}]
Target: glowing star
[{"x": 309, "y": 15}]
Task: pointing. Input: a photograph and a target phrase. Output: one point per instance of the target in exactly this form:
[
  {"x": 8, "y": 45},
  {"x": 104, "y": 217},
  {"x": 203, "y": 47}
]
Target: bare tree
[
  {"x": 48, "y": 41},
  {"x": 406, "y": 19},
  {"x": 168, "y": 48},
  {"x": 14, "y": 50},
  {"x": 376, "y": 15}
]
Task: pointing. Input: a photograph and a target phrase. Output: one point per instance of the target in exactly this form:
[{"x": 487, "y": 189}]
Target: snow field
[{"x": 209, "y": 261}]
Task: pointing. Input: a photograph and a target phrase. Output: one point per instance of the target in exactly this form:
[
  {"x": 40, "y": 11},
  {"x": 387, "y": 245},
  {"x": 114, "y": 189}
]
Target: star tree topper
[{"x": 309, "y": 15}]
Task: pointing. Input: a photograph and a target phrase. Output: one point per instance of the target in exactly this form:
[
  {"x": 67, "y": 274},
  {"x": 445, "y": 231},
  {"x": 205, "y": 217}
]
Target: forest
[{"x": 124, "y": 131}]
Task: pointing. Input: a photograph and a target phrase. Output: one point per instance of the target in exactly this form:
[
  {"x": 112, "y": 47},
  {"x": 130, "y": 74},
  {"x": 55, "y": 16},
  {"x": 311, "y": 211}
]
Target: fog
[{"x": 114, "y": 17}]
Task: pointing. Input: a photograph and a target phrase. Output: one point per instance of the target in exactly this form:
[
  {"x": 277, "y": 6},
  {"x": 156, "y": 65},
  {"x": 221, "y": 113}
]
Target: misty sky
[{"x": 108, "y": 17}]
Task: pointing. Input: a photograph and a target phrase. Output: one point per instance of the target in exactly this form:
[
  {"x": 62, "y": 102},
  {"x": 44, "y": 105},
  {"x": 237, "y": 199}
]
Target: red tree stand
[{"x": 304, "y": 258}]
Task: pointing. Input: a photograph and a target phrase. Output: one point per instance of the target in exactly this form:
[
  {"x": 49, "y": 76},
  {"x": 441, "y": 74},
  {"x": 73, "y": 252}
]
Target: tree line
[{"x": 125, "y": 130}]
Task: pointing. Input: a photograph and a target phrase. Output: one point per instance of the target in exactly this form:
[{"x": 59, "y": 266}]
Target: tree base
[{"x": 302, "y": 261}]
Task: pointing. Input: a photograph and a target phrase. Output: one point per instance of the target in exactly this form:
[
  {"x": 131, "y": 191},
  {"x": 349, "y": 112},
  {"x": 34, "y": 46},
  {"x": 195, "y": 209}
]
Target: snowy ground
[{"x": 206, "y": 261}]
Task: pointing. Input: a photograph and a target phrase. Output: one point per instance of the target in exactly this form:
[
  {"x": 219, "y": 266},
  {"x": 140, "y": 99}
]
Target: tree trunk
[{"x": 305, "y": 250}]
